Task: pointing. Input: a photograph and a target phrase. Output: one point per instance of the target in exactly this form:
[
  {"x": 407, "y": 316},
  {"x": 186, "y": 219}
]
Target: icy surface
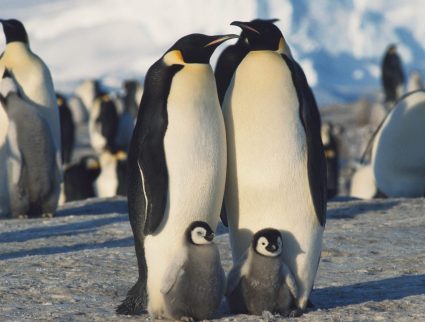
[{"x": 79, "y": 265}]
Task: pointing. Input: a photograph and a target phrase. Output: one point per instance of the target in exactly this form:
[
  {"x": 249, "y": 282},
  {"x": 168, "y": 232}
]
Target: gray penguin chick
[
  {"x": 195, "y": 283},
  {"x": 261, "y": 281}
]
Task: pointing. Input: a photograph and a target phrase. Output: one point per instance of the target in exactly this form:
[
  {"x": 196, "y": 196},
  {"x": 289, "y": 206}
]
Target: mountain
[{"x": 338, "y": 43}]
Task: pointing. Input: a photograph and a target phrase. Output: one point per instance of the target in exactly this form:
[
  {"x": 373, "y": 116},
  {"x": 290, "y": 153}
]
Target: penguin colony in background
[{"x": 31, "y": 159}]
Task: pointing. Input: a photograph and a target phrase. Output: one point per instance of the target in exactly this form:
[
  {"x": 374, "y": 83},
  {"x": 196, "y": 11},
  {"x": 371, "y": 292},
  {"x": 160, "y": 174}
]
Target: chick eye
[{"x": 263, "y": 243}]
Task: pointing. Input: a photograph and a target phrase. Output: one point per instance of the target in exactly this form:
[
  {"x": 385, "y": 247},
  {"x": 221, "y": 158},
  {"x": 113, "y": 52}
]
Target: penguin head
[
  {"x": 199, "y": 233},
  {"x": 194, "y": 49},
  {"x": 267, "y": 242},
  {"x": 243, "y": 40},
  {"x": 263, "y": 35},
  {"x": 14, "y": 30}
]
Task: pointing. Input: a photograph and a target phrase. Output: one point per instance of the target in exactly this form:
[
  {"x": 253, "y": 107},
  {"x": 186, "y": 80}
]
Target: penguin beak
[
  {"x": 209, "y": 237},
  {"x": 219, "y": 39},
  {"x": 271, "y": 248},
  {"x": 244, "y": 26}
]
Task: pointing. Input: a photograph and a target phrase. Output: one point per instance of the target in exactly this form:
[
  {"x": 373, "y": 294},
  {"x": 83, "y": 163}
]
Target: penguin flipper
[
  {"x": 310, "y": 117},
  {"x": 174, "y": 272},
  {"x": 223, "y": 215},
  {"x": 289, "y": 280},
  {"x": 235, "y": 275}
]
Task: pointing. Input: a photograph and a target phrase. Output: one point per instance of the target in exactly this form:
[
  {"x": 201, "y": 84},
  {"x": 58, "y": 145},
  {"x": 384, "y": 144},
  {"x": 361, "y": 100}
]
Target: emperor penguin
[
  {"x": 33, "y": 178},
  {"x": 398, "y": 154},
  {"x": 229, "y": 60},
  {"x": 103, "y": 123},
  {"x": 331, "y": 149},
  {"x": 276, "y": 174},
  {"x": 33, "y": 78},
  {"x": 194, "y": 283},
  {"x": 67, "y": 128},
  {"x": 176, "y": 163},
  {"x": 261, "y": 280},
  {"x": 112, "y": 179},
  {"x": 4, "y": 152}
]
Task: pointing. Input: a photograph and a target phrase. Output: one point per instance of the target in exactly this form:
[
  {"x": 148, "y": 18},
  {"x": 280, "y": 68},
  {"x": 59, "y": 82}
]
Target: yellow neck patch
[{"x": 174, "y": 57}]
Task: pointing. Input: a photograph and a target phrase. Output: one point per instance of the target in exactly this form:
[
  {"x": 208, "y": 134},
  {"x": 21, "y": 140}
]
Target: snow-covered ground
[
  {"x": 79, "y": 265},
  {"x": 339, "y": 43}
]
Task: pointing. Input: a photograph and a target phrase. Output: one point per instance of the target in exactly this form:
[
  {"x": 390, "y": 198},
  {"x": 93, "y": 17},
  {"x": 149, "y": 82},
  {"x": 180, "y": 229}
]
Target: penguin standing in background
[
  {"x": 112, "y": 180},
  {"x": 392, "y": 76},
  {"x": 332, "y": 159},
  {"x": 33, "y": 78},
  {"x": 33, "y": 178},
  {"x": 261, "y": 281},
  {"x": 276, "y": 173},
  {"x": 67, "y": 129},
  {"x": 195, "y": 282},
  {"x": 103, "y": 124},
  {"x": 79, "y": 178},
  {"x": 229, "y": 60},
  {"x": 177, "y": 162},
  {"x": 4, "y": 154},
  {"x": 398, "y": 153}
]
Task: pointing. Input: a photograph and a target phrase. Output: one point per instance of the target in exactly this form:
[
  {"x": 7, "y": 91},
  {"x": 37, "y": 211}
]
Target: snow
[{"x": 339, "y": 43}]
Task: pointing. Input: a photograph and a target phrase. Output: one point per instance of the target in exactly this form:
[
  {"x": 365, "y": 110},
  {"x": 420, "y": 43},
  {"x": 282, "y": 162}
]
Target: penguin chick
[
  {"x": 194, "y": 283},
  {"x": 261, "y": 280}
]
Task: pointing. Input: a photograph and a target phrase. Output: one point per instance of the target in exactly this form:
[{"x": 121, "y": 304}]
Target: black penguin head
[
  {"x": 194, "y": 49},
  {"x": 14, "y": 30},
  {"x": 267, "y": 242},
  {"x": 199, "y": 233},
  {"x": 262, "y": 35},
  {"x": 243, "y": 40}
]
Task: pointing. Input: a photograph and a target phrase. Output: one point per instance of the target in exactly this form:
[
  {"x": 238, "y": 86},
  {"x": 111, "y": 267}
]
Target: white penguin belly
[
  {"x": 398, "y": 155},
  {"x": 195, "y": 151},
  {"x": 267, "y": 178}
]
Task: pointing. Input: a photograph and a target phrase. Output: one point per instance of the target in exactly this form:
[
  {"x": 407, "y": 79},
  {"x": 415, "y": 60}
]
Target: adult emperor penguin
[
  {"x": 33, "y": 78},
  {"x": 194, "y": 283},
  {"x": 276, "y": 174},
  {"x": 177, "y": 162},
  {"x": 398, "y": 154},
  {"x": 229, "y": 60},
  {"x": 261, "y": 281},
  {"x": 33, "y": 178}
]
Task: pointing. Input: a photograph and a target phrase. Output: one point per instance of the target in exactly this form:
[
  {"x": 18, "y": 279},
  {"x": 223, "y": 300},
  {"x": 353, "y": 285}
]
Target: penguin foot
[
  {"x": 47, "y": 215},
  {"x": 187, "y": 319},
  {"x": 135, "y": 302},
  {"x": 268, "y": 316},
  {"x": 296, "y": 313},
  {"x": 20, "y": 216}
]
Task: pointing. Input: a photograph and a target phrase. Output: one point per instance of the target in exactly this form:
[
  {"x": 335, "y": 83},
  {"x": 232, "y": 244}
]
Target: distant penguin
[
  {"x": 112, "y": 180},
  {"x": 103, "y": 124},
  {"x": 194, "y": 282},
  {"x": 398, "y": 153},
  {"x": 261, "y": 280},
  {"x": 133, "y": 91},
  {"x": 392, "y": 75},
  {"x": 363, "y": 183},
  {"x": 33, "y": 78},
  {"x": 177, "y": 162},
  {"x": 414, "y": 82},
  {"x": 79, "y": 178},
  {"x": 126, "y": 123},
  {"x": 4, "y": 154},
  {"x": 88, "y": 91},
  {"x": 332, "y": 159},
  {"x": 276, "y": 173},
  {"x": 33, "y": 178},
  {"x": 67, "y": 128},
  {"x": 229, "y": 60}
]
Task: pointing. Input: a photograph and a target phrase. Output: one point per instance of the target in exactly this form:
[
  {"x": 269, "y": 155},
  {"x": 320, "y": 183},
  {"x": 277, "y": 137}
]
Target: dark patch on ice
[
  {"x": 50, "y": 250},
  {"x": 351, "y": 211},
  {"x": 394, "y": 288}
]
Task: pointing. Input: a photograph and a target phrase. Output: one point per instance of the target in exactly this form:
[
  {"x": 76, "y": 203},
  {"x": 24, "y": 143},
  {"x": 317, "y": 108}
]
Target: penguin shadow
[
  {"x": 93, "y": 206},
  {"x": 394, "y": 288},
  {"x": 351, "y": 211},
  {"x": 81, "y": 227}
]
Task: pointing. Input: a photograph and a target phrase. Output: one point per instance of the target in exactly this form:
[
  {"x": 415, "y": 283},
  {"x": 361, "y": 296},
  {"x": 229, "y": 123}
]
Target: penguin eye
[{"x": 263, "y": 243}]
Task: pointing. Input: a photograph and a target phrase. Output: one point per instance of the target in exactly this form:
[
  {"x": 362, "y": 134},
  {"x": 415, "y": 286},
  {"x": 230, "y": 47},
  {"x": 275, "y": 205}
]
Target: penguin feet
[
  {"x": 47, "y": 215},
  {"x": 135, "y": 302},
  {"x": 268, "y": 316},
  {"x": 19, "y": 216},
  {"x": 187, "y": 319},
  {"x": 296, "y": 313}
]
